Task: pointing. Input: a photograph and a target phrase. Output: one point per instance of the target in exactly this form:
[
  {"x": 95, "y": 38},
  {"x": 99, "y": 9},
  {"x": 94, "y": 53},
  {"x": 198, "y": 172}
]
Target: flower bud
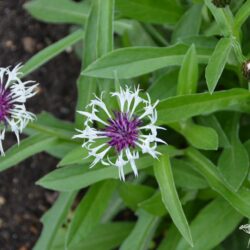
[
  {"x": 246, "y": 69},
  {"x": 221, "y": 3}
]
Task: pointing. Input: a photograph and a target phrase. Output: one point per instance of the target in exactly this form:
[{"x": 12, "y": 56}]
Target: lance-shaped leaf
[
  {"x": 136, "y": 61},
  {"x": 233, "y": 163},
  {"x": 171, "y": 239},
  {"x": 28, "y": 147},
  {"x": 80, "y": 176},
  {"x": 212, "y": 225},
  {"x": 49, "y": 125},
  {"x": 241, "y": 15},
  {"x": 103, "y": 237},
  {"x": 188, "y": 75},
  {"x": 223, "y": 17},
  {"x": 78, "y": 155},
  {"x": 164, "y": 177},
  {"x": 98, "y": 41},
  {"x": 212, "y": 121},
  {"x": 189, "y": 24},
  {"x": 154, "y": 205},
  {"x": 198, "y": 136},
  {"x": 217, "y": 63},
  {"x": 89, "y": 212},
  {"x": 239, "y": 200},
  {"x": 58, "y": 11},
  {"x": 152, "y": 11},
  {"x": 133, "y": 194},
  {"x": 142, "y": 233},
  {"x": 179, "y": 108},
  {"x": 53, "y": 219}
]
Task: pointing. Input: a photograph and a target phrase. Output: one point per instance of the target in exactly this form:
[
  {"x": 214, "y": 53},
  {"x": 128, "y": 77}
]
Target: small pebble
[
  {"x": 29, "y": 44},
  {"x": 10, "y": 45},
  {"x": 2, "y": 201}
]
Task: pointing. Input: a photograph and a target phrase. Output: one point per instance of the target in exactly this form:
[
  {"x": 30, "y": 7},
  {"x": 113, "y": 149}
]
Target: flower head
[
  {"x": 124, "y": 132},
  {"x": 13, "y": 96}
]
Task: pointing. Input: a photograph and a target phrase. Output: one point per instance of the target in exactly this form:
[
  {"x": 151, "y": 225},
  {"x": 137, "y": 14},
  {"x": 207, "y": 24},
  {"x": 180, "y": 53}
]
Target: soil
[{"x": 22, "y": 203}]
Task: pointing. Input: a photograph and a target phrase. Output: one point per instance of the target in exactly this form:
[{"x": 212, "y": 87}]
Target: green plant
[{"x": 187, "y": 54}]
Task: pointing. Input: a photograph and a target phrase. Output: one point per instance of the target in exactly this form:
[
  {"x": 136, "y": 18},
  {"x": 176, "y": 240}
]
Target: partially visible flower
[
  {"x": 245, "y": 228},
  {"x": 123, "y": 133},
  {"x": 221, "y": 3},
  {"x": 13, "y": 95},
  {"x": 246, "y": 69}
]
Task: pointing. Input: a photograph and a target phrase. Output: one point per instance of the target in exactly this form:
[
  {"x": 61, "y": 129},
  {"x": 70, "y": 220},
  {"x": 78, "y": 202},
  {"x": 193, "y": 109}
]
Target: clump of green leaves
[{"x": 189, "y": 56}]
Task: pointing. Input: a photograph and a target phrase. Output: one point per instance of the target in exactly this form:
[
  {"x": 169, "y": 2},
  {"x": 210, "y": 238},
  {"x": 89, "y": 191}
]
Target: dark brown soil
[{"x": 22, "y": 202}]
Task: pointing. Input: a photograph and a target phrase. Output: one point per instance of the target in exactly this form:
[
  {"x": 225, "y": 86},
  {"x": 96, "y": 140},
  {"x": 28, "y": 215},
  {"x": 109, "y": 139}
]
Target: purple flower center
[
  {"x": 123, "y": 131},
  {"x": 5, "y": 103}
]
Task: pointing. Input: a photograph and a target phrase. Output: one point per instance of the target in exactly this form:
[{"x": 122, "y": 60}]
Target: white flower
[
  {"x": 13, "y": 95},
  {"x": 124, "y": 134},
  {"x": 245, "y": 228}
]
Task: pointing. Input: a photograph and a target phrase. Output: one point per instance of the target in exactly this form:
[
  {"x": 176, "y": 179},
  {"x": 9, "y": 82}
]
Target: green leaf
[
  {"x": 50, "y": 52},
  {"x": 60, "y": 148},
  {"x": 136, "y": 61},
  {"x": 99, "y": 30},
  {"x": 233, "y": 163},
  {"x": 58, "y": 11},
  {"x": 164, "y": 177},
  {"x": 240, "y": 200},
  {"x": 131, "y": 38},
  {"x": 241, "y": 16},
  {"x": 198, "y": 136},
  {"x": 49, "y": 125},
  {"x": 73, "y": 157},
  {"x": 142, "y": 233},
  {"x": 223, "y": 17},
  {"x": 200, "y": 41},
  {"x": 152, "y": 11},
  {"x": 164, "y": 86},
  {"x": 77, "y": 177},
  {"x": 212, "y": 225},
  {"x": 188, "y": 75},
  {"x": 185, "y": 176},
  {"x": 89, "y": 211},
  {"x": 132, "y": 194},
  {"x": 104, "y": 237},
  {"x": 78, "y": 155},
  {"x": 182, "y": 107},
  {"x": 212, "y": 121},
  {"x": 217, "y": 63},
  {"x": 189, "y": 24},
  {"x": 171, "y": 239},
  {"x": 28, "y": 147},
  {"x": 98, "y": 41},
  {"x": 154, "y": 205},
  {"x": 53, "y": 219}
]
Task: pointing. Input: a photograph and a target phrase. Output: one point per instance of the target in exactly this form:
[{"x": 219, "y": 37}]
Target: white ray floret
[
  {"x": 97, "y": 139},
  {"x": 14, "y": 116}
]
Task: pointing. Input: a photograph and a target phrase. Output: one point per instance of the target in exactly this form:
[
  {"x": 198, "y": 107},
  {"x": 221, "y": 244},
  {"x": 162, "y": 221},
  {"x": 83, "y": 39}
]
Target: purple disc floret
[
  {"x": 123, "y": 131},
  {"x": 5, "y": 103}
]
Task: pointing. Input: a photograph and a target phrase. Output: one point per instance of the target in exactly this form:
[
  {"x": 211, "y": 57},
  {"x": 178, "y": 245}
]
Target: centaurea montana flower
[
  {"x": 124, "y": 133},
  {"x": 13, "y": 95},
  {"x": 246, "y": 229}
]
